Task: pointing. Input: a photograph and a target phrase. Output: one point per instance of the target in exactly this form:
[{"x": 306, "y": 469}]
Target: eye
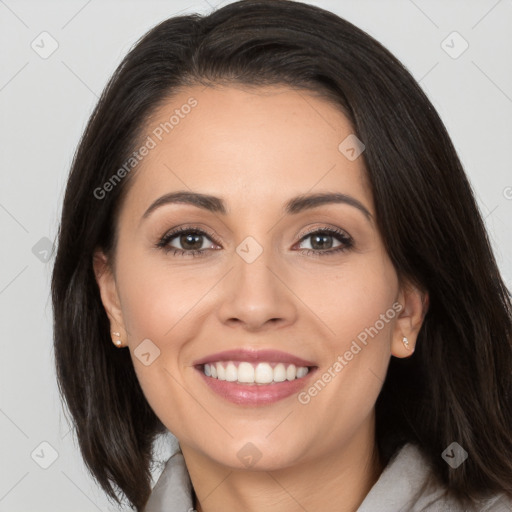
[
  {"x": 322, "y": 241},
  {"x": 193, "y": 241}
]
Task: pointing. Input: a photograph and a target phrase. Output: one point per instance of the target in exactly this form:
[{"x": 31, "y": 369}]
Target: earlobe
[
  {"x": 409, "y": 321},
  {"x": 109, "y": 295}
]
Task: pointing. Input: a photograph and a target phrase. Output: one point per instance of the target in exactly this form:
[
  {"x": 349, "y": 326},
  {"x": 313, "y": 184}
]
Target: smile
[
  {"x": 244, "y": 372},
  {"x": 249, "y": 377}
]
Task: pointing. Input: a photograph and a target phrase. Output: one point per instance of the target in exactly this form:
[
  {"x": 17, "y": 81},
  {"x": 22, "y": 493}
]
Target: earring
[
  {"x": 117, "y": 342},
  {"x": 405, "y": 341}
]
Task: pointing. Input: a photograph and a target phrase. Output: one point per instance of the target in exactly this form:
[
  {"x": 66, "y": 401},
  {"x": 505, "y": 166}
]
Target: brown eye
[
  {"x": 327, "y": 241},
  {"x": 186, "y": 241},
  {"x": 191, "y": 241}
]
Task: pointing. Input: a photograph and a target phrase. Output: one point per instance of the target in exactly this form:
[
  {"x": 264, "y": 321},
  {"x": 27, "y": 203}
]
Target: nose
[{"x": 256, "y": 295}]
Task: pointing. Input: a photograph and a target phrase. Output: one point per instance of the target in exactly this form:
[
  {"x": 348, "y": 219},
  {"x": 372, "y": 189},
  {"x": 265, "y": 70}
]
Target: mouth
[{"x": 254, "y": 378}]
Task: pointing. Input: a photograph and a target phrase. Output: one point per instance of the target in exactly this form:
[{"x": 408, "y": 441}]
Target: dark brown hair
[{"x": 457, "y": 385}]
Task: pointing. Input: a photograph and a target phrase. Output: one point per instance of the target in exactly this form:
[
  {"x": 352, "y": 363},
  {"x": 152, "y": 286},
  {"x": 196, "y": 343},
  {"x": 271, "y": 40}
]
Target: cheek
[
  {"x": 157, "y": 305},
  {"x": 155, "y": 297},
  {"x": 350, "y": 299},
  {"x": 356, "y": 303},
  {"x": 357, "y": 306}
]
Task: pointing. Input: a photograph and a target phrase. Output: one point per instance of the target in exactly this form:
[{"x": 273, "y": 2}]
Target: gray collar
[
  {"x": 173, "y": 490},
  {"x": 407, "y": 484}
]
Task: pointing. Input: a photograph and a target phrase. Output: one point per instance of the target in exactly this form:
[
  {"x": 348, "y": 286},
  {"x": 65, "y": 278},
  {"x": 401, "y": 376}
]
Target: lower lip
[{"x": 255, "y": 394}]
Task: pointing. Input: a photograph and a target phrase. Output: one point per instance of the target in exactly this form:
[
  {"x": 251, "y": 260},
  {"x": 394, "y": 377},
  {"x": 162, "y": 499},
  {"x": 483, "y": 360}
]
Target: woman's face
[{"x": 304, "y": 279}]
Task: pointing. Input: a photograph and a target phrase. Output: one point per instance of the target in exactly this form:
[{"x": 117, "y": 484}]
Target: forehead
[{"x": 248, "y": 145}]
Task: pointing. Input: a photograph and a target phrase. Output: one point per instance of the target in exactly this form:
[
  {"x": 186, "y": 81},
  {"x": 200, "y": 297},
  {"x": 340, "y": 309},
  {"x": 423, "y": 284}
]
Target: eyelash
[{"x": 341, "y": 236}]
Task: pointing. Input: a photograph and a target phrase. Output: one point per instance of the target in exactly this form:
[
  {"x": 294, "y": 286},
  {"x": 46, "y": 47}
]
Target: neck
[{"x": 335, "y": 481}]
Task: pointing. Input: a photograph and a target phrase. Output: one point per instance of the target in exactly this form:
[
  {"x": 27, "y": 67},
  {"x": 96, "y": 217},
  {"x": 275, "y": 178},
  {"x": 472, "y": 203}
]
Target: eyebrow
[{"x": 293, "y": 206}]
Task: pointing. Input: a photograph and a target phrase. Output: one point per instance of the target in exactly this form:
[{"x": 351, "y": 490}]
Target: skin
[{"x": 256, "y": 149}]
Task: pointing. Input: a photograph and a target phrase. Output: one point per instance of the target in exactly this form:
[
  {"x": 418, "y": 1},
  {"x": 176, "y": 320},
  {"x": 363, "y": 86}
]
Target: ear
[
  {"x": 414, "y": 304},
  {"x": 109, "y": 294}
]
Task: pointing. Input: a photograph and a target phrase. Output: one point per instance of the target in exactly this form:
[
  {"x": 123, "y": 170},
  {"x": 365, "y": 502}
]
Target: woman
[{"x": 269, "y": 248}]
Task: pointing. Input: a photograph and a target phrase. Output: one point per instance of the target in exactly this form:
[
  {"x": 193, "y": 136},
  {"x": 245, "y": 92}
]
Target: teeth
[
  {"x": 280, "y": 373},
  {"x": 264, "y": 374},
  {"x": 301, "y": 372},
  {"x": 231, "y": 372},
  {"x": 247, "y": 373}
]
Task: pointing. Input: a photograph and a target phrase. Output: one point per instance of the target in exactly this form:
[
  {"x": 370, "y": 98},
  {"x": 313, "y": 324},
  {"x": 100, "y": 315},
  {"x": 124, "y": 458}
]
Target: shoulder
[{"x": 409, "y": 484}]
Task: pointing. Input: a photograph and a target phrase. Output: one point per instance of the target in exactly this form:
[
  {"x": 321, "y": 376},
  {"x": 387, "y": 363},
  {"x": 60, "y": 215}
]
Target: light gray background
[{"x": 45, "y": 104}]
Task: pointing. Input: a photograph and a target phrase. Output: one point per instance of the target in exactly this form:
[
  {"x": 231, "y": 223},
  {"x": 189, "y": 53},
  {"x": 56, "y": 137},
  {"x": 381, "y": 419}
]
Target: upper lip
[{"x": 267, "y": 355}]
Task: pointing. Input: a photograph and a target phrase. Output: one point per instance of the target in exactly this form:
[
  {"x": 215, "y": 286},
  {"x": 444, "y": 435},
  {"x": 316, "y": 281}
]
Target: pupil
[
  {"x": 191, "y": 241},
  {"x": 322, "y": 244}
]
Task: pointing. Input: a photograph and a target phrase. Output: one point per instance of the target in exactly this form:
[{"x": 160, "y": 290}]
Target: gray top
[{"x": 405, "y": 485}]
